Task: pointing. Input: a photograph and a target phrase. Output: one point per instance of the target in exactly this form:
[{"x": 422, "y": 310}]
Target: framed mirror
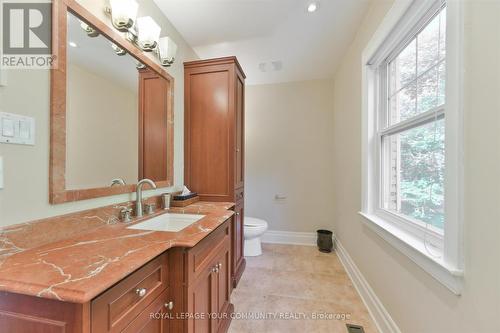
[{"x": 111, "y": 111}]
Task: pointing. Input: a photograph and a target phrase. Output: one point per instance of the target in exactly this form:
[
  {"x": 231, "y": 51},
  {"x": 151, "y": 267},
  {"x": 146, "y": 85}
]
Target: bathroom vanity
[{"x": 115, "y": 278}]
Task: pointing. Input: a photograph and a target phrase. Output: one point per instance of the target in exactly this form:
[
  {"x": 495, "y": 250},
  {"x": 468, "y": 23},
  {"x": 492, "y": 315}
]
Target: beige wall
[
  {"x": 414, "y": 299},
  {"x": 288, "y": 140},
  {"x": 26, "y": 168},
  {"x": 101, "y": 131}
]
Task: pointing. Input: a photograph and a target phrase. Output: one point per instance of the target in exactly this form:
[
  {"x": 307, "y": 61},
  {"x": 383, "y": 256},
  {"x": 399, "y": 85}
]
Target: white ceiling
[{"x": 308, "y": 45}]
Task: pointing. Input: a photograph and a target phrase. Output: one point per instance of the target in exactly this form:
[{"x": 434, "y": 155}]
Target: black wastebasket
[{"x": 325, "y": 240}]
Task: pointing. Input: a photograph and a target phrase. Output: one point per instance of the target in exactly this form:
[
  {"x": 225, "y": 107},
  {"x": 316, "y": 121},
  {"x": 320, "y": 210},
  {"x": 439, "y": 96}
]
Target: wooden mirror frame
[{"x": 57, "y": 169}]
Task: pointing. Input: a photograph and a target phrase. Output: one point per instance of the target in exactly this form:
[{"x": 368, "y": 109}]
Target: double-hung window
[{"x": 410, "y": 162}]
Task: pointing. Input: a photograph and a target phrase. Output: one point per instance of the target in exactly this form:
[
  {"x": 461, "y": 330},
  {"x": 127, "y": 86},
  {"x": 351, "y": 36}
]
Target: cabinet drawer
[
  {"x": 154, "y": 318},
  {"x": 201, "y": 256},
  {"x": 118, "y": 306},
  {"x": 239, "y": 195}
]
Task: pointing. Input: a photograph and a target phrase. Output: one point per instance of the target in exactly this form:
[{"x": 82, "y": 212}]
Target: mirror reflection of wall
[{"x": 102, "y": 112}]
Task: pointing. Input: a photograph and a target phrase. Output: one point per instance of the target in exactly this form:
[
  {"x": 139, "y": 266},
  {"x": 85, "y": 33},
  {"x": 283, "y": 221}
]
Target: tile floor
[{"x": 301, "y": 282}]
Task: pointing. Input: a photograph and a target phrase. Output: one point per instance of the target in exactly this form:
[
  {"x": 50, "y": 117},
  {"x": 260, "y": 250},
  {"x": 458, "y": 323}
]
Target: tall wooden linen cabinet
[{"x": 214, "y": 138}]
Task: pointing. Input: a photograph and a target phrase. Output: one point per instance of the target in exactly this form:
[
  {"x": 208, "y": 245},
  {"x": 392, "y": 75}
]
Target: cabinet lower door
[
  {"x": 202, "y": 303},
  {"x": 223, "y": 290},
  {"x": 238, "y": 260},
  {"x": 154, "y": 319}
]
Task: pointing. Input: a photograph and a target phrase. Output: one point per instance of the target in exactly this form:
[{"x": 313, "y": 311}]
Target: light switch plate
[
  {"x": 8, "y": 127},
  {"x": 17, "y": 129}
]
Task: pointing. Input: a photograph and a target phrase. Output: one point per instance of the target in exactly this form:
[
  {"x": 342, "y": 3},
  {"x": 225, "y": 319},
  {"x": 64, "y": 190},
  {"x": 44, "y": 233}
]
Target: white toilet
[{"x": 253, "y": 229}]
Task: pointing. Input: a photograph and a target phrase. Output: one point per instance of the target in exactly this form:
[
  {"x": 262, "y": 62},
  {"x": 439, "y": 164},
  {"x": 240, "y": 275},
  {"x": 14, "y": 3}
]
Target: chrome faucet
[
  {"x": 138, "y": 195},
  {"x": 117, "y": 181}
]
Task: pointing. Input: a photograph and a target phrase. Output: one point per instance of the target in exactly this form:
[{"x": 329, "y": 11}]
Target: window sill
[{"x": 414, "y": 248}]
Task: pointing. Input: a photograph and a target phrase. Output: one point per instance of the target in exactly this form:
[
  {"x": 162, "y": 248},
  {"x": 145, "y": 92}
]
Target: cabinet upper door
[
  {"x": 240, "y": 132},
  {"x": 208, "y": 132}
]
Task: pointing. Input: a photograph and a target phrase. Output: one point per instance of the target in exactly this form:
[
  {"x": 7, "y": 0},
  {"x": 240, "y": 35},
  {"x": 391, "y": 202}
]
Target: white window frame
[{"x": 445, "y": 261}]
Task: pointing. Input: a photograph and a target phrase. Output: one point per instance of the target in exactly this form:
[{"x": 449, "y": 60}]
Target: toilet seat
[{"x": 253, "y": 222}]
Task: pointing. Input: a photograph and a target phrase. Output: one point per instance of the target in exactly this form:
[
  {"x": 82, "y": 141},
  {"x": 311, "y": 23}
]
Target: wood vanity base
[
  {"x": 28, "y": 314},
  {"x": 182, "y": 290},
  {"x": 239, "y": 273}
]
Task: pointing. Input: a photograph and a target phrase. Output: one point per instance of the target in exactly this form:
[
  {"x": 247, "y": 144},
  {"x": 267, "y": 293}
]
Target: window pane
[
  {"x": 403, "y": 69},
  {"x": 403, "y": 104},
  {"x": 441, "y": 83},
  {"x": 427, "y": 91},
  {"x": 414, "y": 168},
  {"x": 417, "y": 74},
  {"x": 428, "y": 46},
  {"x": 442, "y": 34}
]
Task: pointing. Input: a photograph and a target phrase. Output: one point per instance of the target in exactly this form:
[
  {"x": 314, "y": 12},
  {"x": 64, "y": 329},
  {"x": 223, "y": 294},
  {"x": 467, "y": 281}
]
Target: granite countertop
[{"x": 76, "y": 257}]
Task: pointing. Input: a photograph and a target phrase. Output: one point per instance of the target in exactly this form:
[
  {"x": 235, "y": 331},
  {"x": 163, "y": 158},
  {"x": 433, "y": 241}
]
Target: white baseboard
[
  {"x": 381, "y": 317},
  {"x": 289, "y": 237}
]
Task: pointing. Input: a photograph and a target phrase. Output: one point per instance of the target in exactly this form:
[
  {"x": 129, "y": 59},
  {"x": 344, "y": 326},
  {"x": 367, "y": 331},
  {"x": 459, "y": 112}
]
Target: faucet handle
[
  {"x": 126, "y": 214},
  {"x": 149, "y": 208}
]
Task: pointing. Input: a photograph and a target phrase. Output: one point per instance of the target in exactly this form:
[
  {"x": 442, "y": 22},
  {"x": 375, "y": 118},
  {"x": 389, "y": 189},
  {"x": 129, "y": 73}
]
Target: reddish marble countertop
[{"x": 75, "y": 257}]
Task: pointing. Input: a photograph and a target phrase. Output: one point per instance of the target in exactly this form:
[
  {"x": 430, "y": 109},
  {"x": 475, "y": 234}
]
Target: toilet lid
[{"x": 254, "y": 222}]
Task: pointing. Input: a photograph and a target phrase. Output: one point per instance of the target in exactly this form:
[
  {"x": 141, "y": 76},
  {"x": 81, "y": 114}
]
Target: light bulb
[{"x": 312, "y": 7}]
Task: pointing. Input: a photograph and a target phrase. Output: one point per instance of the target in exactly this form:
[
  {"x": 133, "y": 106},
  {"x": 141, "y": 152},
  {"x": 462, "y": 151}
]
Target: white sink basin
[{"x": 168, "y": 222}]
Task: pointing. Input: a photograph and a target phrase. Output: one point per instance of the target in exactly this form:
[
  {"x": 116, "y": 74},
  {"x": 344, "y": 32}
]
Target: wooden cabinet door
[
  {"x": 154, "y": 319},
  {"x": 208, "y": 129},
  {"x": 223, "y": 290},
  {"x": 240, "y": 133},
  {"x": 29, "y": 314},
  {"x": 238, "y": 260},
  {"x": 202, "y": 303},
  {"x": 239, "y": 236}
]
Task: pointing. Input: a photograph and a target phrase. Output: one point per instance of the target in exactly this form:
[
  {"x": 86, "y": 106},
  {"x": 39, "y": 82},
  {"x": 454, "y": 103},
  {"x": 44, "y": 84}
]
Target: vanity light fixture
[
  {"x": 118, "y": 50},
  {"x": 91, "y": 32},
  {"x": 143, "y": 32},
  {"x": 148, "y": 33},
  {"x": 123, "y": 13},
  {"x": 167, "y": 50}
]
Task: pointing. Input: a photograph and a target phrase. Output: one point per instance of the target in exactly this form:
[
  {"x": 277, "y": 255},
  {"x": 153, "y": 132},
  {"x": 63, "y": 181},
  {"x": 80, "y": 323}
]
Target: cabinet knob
[
  {"x": 141, "y": 292},
  {"x": 219, "y": 265},
  {"x": 237, "y": 150},
  {"x": 237, "y": 214},
  {"x": 169, "y": 305}
]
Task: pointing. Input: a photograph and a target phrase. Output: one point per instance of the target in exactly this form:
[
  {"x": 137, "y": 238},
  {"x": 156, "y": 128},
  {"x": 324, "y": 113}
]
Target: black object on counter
[
  {"x": 325, "y": 240},
  {"x": 185, "y": 196}
]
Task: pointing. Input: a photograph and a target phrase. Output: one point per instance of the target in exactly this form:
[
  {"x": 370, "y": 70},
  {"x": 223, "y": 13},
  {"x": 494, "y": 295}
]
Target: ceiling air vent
[
  {"x": 354, "y": 328},
  {"x": 272, "y": 66}
]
